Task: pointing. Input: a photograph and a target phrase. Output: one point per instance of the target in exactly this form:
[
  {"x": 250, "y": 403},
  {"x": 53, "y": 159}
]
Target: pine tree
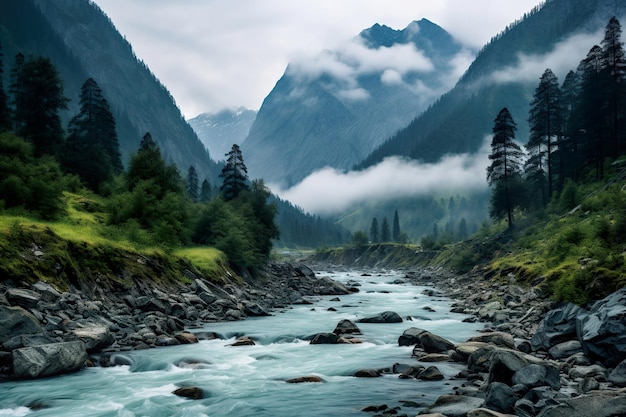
[
  {"x": 505, "y": 170},
  {"x": 234, "y": 174},
  {"x": 92, "y": 148},
  {"x": 374, "y": 235},
  {"x": 205, "y": 191},
  {"x": 569, "y": 150},
  {"x": 545, "y": 121},
  {"x": 396, "y": 233},
  {"x": 192, "y": 184},
  {"x": 148, "y": 165},
  {"x": 385, "y": 233},
  {"x": 594, "y": 108},
  {"x": 5, "y": 114},
  {"x": 15, "y": 90},
  {"x": 614, "y": 65},
  {"x": 38, "y": 99}
]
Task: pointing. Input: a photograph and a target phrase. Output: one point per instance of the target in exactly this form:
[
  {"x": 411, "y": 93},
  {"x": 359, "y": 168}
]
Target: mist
[
  {"x": 330, "y": 191},
  {"x": 565, "y": 56}
]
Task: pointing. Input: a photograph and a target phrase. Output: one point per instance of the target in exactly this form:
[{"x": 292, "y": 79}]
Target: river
[{"x": 250, "y": 380}]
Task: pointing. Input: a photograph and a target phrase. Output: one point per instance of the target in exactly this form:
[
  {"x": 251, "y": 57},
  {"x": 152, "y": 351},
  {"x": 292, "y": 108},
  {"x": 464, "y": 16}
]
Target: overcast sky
[{"x": 213, "y": 54}]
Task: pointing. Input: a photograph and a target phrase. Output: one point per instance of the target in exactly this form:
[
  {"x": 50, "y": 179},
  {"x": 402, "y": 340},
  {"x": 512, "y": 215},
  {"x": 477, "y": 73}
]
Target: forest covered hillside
[{"x": 82, "y": 42}]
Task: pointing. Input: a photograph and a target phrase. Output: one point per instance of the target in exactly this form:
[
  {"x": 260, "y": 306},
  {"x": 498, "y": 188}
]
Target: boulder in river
[
  {"x": 50, "y": 359},
  {"x": 432, "y": 343},
  {"x": 193, "y": 393},
  {"x": 325, "y": 339},
  {"x": 94, "y": 337},
  {"x": 346, "y": 327},
  {"x": 301, "y": 379},
  {"x": 384, "y": 317},
  {"x": 410, "y": 336}
]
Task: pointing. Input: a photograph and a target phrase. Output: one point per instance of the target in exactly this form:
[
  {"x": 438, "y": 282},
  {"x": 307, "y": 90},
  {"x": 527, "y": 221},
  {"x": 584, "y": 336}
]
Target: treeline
[
  {"x": 576, "y": 128},
  {"x": 149, "y": 203}
]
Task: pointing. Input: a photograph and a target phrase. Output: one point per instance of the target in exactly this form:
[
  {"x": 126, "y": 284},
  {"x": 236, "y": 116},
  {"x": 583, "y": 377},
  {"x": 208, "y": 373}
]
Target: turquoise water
[{"x": 250, "y": 380}]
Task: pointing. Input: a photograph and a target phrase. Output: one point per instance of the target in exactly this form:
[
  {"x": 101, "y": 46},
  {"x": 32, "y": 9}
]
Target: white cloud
[
  {"x": 391, "y": 77},
  {"x": 355, "y": 94},
  {"x": 219, "y": 53},
  {"x": 565, "y": 56},
  {"x": 329, "y": 191}
]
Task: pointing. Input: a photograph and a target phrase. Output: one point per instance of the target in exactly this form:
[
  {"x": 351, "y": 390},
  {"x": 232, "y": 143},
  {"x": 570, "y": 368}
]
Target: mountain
[
  {"x": 219, "y": 131},
  {"x": 335, "y": 108},
  {"x": 82, "y": 42},
  {"x": 505, "y": 73}
]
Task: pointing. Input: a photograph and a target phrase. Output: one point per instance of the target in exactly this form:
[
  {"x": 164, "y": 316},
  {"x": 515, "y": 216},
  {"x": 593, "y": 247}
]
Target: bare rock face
[{"x": 50, "y": 359}]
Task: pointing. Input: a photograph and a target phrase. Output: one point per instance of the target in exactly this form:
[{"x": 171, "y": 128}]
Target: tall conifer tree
[
  {"x": 38, "y": 100},
  {"x": 5, "y": 114},
  {"x": 504, "y": 173},
  {"x": 234, "y": 174},
  {"x": 545, "y": 120},
  {"x": 92, "y": 147}
]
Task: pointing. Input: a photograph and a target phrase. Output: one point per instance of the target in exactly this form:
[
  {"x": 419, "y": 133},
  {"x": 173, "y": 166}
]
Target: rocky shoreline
[
  {"x": 44, "y": 332},
  {"x": 533, "y": 358}
]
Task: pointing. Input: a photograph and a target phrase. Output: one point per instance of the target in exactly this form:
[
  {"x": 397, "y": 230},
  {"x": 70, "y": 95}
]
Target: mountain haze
[
  {"x": 82, "y": 42},
  {"x": 334, "y": 108}
]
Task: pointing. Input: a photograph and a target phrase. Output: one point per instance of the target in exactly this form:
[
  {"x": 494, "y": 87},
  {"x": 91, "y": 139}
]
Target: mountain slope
[
  {"x": 219, "y": 131},
  {"x": 335, "y": 108},
  {"x": 504, "y": 74},
  {"x": 82, "y": 42}
]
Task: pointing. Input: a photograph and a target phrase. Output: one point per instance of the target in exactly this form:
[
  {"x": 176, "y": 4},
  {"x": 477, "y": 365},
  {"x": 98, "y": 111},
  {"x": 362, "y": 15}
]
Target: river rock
[
  {"x": 384, "y": 317},
  {"x": 301, "y": 379},
  {"x": 467, "y": 348},
  {"x": 324, "y": 339},
  {"x": 193, "y": 393},
  {"x": 565, "y": 349},
  {"x": 186, "y": 338},
  {"x": 23, "y": 297},
  {"x": 51, "y": 359},
  {"x": 559, "y": 325},
  {"x": 596, "y": 371},
  {"x": 243, "y": 341},
  {"x": 367, "y": 373},
  {"x": 537, "y": 375},
  {"x": 495, "y": 338},
  {"x": 597, "y": 405},
  {"x": 618, "y": 375},
  {"x": 47, "y": 292},
  {"x": 432, "y": 373},
  {"x": 588, "y": 384},
  {"x": 455, "y": 405},
  {"x": 410, "y": 336},
  {"x": 346, "y": 327},
  {"x": 254, "y": 310},
  {"x": 485, "y": 412},
  {"x": 432, "y": 343},
  {"x": 94, "y": 337},
  {"x": 602, "y": 332},
  {"x": 500, "y": 397},
  {"x": 15, "y": 321}
]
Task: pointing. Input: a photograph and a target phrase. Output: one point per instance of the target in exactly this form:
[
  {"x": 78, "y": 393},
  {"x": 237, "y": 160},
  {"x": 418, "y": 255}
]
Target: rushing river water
[{"x": 250, "y": 380}]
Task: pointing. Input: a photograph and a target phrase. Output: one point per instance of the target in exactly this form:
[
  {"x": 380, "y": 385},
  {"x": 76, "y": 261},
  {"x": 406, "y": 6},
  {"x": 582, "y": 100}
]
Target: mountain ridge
[{"x": 316, "y": 117}]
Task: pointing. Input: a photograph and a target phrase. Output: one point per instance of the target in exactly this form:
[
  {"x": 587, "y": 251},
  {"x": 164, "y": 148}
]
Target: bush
[{"x": 33, "y": 184}]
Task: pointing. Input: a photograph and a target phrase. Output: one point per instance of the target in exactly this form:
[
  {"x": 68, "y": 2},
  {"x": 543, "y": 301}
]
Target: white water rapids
[{"x": 250, "y": 380}]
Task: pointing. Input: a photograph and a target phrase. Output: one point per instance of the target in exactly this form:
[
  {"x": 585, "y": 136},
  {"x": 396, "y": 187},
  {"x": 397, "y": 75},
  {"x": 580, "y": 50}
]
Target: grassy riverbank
[{"x": 79, "y": 246}]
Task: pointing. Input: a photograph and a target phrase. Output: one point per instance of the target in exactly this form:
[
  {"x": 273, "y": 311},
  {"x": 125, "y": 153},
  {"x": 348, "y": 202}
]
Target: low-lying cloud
[
  {"x": 330, "y": 191},
  {"x": 565, "y": 56}
]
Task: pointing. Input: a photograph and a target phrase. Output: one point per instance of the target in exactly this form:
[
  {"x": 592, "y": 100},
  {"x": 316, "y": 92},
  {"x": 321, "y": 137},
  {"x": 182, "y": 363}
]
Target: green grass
[{"x": 80, "y": 245}]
